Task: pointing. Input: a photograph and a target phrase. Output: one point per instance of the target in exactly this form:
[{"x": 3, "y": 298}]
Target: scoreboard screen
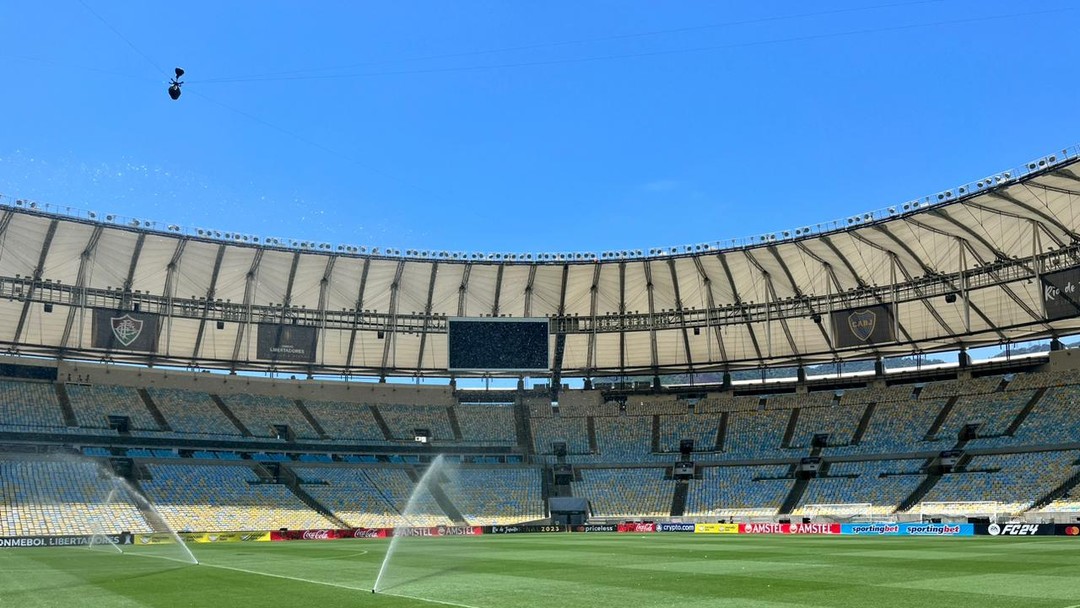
[{"x": 498, "y": 345}]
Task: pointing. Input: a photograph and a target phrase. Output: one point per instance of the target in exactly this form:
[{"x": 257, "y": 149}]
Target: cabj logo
[
  {"x": 862, "y": 324},
  {"x": 126, "y": 329}
]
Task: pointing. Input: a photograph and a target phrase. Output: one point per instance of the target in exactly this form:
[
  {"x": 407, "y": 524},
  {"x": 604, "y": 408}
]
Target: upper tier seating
[
  {"x": 403, "y": 420},
  {"x": 29, "y": 405},
  {"x": 486, "y": 424},
  {"x": 192, "y": 412},
  {"x": 94, "y": 404},
  {"x": 351, "y": 422},
  {"x": 259, "y": 413}
]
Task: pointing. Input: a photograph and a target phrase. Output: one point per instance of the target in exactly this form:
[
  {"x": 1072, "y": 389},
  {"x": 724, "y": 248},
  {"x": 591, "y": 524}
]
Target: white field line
[{"x": 338, "y": 585}]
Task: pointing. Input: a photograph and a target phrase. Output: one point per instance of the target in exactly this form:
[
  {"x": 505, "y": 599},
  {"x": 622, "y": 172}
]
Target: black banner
[
  {"x": 523, "y": 529},
  {"x": 125, "y": 330},
  {"x": 863, "y": 326},
  {"x": 1017, "y": 529},
  {"x": 80, "y": 540},
  {"x": 1061, "y": 293},
  {"x": 287, "y": 342}
]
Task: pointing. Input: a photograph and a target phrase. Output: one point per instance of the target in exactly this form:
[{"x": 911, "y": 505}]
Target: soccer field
[{"x": 549, "y": 570}]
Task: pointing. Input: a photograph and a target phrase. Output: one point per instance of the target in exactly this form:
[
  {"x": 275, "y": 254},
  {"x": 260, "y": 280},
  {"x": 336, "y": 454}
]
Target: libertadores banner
[{"x": 71, "y": 540}]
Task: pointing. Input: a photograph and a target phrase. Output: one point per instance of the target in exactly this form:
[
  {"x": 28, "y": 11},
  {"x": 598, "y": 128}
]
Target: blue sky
[{"x": 525, "y": 126}]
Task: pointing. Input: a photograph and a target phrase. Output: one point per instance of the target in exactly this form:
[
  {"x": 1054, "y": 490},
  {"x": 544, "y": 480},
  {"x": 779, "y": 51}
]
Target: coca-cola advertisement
[
  {"x": 370, "y": 533},
  {"x": 307, "y": 534},
  {"x": 637, "y": 526}
]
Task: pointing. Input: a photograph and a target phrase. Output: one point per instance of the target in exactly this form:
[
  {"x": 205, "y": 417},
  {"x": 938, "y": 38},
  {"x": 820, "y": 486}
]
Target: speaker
[
  {"x": 221, "y": 325},
  {"x": 48, "y": 306}
]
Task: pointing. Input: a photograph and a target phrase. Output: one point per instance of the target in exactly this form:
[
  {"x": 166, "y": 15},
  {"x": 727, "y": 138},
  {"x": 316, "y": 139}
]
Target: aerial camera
[{"x": 175, "y": 84}]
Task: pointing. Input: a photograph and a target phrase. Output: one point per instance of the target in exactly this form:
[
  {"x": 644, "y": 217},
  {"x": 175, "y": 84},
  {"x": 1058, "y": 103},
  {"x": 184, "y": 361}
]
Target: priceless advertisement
[
  {"x": 523, "y": 529},
  {"x": 596, "y": 528},
  {"x": 81, "y": 540},
  {"x": 770, "y": 528},
  {"x": 715, "y": 529},
  {"x": 125, "y": 330},
  {"x": 908, "y": 529},
  {"x": 636, "y": 526}
]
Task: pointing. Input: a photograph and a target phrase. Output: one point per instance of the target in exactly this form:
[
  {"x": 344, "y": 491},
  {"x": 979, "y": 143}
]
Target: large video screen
[{"x": 491, "y": 345}]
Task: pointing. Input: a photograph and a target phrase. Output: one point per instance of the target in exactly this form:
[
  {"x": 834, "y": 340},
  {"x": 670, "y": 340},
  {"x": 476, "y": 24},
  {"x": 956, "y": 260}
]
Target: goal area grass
[{"x": 559, "y": 570}]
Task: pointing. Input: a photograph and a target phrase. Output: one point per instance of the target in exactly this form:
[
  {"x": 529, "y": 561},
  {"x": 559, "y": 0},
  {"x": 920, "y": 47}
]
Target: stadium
[{"x": 198, "y": 396}]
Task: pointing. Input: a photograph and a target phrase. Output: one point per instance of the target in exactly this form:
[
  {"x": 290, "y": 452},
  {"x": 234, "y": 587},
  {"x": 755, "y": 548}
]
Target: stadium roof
[{"x": 961, "y": 268}]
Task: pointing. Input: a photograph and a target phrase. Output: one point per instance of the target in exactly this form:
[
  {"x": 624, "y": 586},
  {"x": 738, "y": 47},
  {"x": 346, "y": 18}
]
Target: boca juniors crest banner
[
  {"x": 125, "y": 330},
  {"x": 863, "y": 326}
]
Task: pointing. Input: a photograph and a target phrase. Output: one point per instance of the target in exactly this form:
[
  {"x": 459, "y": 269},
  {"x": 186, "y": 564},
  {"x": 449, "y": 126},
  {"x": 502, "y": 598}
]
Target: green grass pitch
[{"x": 563, "y": 570}]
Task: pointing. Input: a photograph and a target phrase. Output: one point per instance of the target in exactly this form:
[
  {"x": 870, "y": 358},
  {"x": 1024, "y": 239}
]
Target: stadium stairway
[
  {"x": 591, "y": 426},
  {"x": 939, "y": 421},
  {"x": 65, "y": 405},
  {"x": 721, "y": 432},
  {"x": 379, "y": 420},
  {"x": 441, "y": 499},
  {"x": 159, "y": 418},
  {"x": 306, "y": 413},
  {"x": 864, "y": 423},
  {"x": 789, "y": 432},
  {"x": 231, "y": 416},
  {"x": 455, "y": 426},
  {"x": 1022, "y": 415},
  {"x": 794, "y": 496},
  {"x": 1065, "y": 489},
  {"x": 523, "y": 432},
  {"x": 655, "y": 441},
  {"x": 290, "y": 480},
  {"x": 678, "y": 498},
  {"x": 919, "y": 492}
]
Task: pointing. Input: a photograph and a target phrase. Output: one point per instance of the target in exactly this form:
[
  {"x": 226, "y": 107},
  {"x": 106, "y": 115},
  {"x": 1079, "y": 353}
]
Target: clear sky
[{"x": 525, "y": 126}]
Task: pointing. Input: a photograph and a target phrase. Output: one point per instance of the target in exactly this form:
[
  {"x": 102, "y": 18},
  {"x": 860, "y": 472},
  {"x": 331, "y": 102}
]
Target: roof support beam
[
  {"x": 389, "y": 335},
  {"x": 463, "y": 291},
  {"x": 38, "y": 270},
  {"x": 771, "y": 291},
  {"x": 171, "y": 270},
  {"x": 427, "y": 313},
  {"x": 622, "y": 315},
  {"x": 498, "y": 290},
  {"x": 739, "y": 306},
  {"x": 710, "y": 301},
  {"x": 250, "y": 281},
  {"x": 682, "y": 315},
  {"x": 324, "y": 298},
  {"x": 843, "y": 259},
  {"x": 1045, "y": 218},
  {"x": 358, "y": 311},
  {"x": 590, "y": 355},
  {"x": 529, "y": 291},
  {"x": 798, "y": 293},
  {"x": 208, "y": 303},
  {"x": 129, "y": 280},
  {"x": 654, "y": 355},
  {"x": 80, "y": 285},
  {"x": 286, "y": 304}
]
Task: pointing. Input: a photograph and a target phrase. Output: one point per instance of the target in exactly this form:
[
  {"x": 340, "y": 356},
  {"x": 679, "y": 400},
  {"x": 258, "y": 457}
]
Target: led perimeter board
[{"x": 498, "y": 345}]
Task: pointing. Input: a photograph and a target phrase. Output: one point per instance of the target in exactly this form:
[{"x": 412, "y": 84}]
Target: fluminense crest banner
[{"x": 125, "y": 330}]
